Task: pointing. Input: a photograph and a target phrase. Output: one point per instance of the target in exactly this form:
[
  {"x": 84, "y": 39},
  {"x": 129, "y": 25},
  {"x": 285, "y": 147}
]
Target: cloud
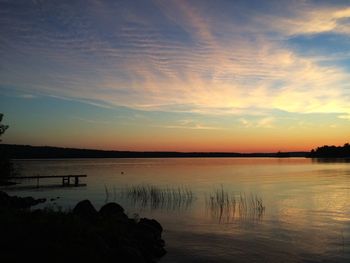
[
  {"x": 310, "y": 20},
  {"x": 186, "y": 58},
  {"x": 245, "y": 123},
  {"x": 196, "y": 127},
  {"x": 91, "y": 121},
  {"x": 265, "y": 122},
  {"x": 345, "y": 117},
  {"x": 27, "y": 96},
  {"x": 190, "y": 124}
]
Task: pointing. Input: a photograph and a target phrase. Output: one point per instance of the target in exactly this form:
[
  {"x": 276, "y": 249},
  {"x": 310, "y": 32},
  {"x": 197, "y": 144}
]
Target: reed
[
  {"x": 228, "y": 206},
  {"x": 106, "y": 193},
  {"x": 156, "y": 197}
]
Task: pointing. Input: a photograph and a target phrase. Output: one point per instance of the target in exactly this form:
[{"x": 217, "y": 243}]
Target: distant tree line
[
  {"x": 331, "y": 151},
  {"x": 42, "y": 152}
]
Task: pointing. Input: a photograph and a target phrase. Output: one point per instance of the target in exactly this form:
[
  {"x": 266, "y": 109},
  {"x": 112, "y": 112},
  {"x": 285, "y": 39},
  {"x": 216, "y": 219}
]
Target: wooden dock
[{"x": 66, "y": 179}]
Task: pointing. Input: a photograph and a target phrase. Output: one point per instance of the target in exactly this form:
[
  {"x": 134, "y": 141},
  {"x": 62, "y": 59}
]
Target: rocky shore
[{"x": 83, "y": 234}]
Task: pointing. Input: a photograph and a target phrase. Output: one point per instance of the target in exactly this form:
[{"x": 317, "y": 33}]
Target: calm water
[{"x": 306, "y": 216}]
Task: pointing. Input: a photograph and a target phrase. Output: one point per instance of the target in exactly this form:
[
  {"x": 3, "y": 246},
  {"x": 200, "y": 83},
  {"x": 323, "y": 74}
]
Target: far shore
[{"x": 48, "y": 152}]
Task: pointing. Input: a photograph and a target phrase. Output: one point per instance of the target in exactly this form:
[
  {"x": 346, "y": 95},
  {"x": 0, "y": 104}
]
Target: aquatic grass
[
  {"x": 106, "y": 193},
  {"x": 153, "y": 196},
  {"x": 226, "y": 206},
  {"x": 256, "y": 203}
]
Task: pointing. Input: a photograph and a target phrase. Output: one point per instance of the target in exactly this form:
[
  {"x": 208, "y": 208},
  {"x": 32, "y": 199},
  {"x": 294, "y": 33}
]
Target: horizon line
[{"x": 154, "y": 151}]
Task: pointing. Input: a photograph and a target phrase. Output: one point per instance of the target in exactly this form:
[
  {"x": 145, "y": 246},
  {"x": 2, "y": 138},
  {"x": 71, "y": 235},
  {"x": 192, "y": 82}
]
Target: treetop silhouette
[{"x": 3, "y": 127}]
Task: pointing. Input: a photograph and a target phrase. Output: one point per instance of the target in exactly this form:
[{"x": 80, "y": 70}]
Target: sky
[{"x": 177, "y": 75}]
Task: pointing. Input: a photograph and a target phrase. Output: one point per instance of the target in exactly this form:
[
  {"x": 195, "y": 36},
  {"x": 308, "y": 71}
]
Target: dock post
[
  {"x": 65, "y": 180},
  {"x": 76, "y": 180}
]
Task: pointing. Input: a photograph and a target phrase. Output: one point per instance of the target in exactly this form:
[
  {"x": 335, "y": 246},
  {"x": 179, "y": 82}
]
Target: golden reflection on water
[{"x": 306, "y": 211}]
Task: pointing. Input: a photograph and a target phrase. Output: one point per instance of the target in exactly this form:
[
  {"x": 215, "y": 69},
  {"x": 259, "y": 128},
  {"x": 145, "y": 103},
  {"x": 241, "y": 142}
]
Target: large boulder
[
  {"x": 4, "y": 198},
  {"x": 130, "y": 254},
  {"x": 152, "y": 223},
  {"x": 149, "y": 229},
  {"x": 148, "y": 233},
  {"x": 85, "y": 210},
  {"x": 111, "y": 210},
  {"x": 104, "y": 236}
]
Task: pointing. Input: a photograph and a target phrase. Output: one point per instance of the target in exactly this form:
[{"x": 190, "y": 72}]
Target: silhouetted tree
[
  {"x": 331, "y": 151},
  {"x": 6, "y": 166},
  {"x": 3, "y": 127}
]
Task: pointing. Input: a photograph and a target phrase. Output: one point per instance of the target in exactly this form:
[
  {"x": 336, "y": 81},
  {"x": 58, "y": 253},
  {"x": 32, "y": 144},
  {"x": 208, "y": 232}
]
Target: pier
[{"x": 67, "y": 180}]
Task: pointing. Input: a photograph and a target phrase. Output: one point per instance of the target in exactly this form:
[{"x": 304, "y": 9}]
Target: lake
[{"x": 218, "y": 209}]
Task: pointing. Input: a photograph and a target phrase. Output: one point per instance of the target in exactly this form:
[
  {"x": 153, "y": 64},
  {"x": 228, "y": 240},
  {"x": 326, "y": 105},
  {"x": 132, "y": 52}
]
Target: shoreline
[
  {"x": 48, "y": 152},
  {"x": 82, "y": 234}
]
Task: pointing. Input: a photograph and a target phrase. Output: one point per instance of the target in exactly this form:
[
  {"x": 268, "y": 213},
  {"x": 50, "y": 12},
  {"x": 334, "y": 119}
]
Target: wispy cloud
[
  {"x": 92, "y": 121},
  {"x": 346, "y": 117},
  {"x": 310, "y": 19},
  {"x": 265, "y": 122},
  {"x": 189, "y": 124},
  {"x": 184, "y": 58},
  {"x": 27, "y": 96},
  {"x": 197, "y": 127}
]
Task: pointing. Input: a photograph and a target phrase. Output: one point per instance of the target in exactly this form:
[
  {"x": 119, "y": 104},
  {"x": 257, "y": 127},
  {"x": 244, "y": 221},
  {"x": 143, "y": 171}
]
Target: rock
[
  {"x": 111, "y": 209},
  {"x": 151, "y": 222},
  {"x": 40, "y": 200},
  {"x": 7, "y": 183},
  {"x": 148, "y": 233},
  {"x": 130, "y": 254},
  {"x": 30, "y": 201},
  {"x": 108, "y": 235},
  {"x": 85, "y": 210},
  {"x": 16, "y": 202},
  {"x": 159, "y": 251},
  {"x": 26, "y": 202},
  {"x": 4, "y": 199},
  {"x": 149, "y": 229},
  {"x": 37, "y": 213},
  {"x": 3, "y": 196}
]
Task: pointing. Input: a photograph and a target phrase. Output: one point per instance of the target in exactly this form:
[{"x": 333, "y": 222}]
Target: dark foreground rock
[
  {"x": 6, "y": 183},
  {"x": 82, "y": 235},
  {"x": 15, "y": 202},
  {"x": 85, "y": 210}
]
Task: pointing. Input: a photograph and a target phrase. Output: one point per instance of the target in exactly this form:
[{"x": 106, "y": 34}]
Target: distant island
[
  {"x": 47, "y": 152},
  {"x": 331, "y": 151}
]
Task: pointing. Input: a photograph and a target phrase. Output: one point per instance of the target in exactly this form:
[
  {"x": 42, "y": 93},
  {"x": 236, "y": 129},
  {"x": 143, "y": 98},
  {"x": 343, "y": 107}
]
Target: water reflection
[
  {"x": 330, "y": 160},
  {"x": 220, "y": 205},
  {"x": 42, "y": 187},
  {"x": 154, "y": 197},
  {"x": 306, "y": 218},
  {"x": 227, "y": 207}
]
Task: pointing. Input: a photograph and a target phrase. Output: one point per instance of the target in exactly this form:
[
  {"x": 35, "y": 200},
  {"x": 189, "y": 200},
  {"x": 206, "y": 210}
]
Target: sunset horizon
[
  {"x": 240, "y": 76},
  {"x": 175, "y": 131},
  {"x": 243, "y": 150}
]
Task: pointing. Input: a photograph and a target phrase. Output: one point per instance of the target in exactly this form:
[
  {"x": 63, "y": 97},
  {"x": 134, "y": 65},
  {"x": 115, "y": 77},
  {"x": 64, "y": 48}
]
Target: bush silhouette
[{"x": 6, "y": 166}]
